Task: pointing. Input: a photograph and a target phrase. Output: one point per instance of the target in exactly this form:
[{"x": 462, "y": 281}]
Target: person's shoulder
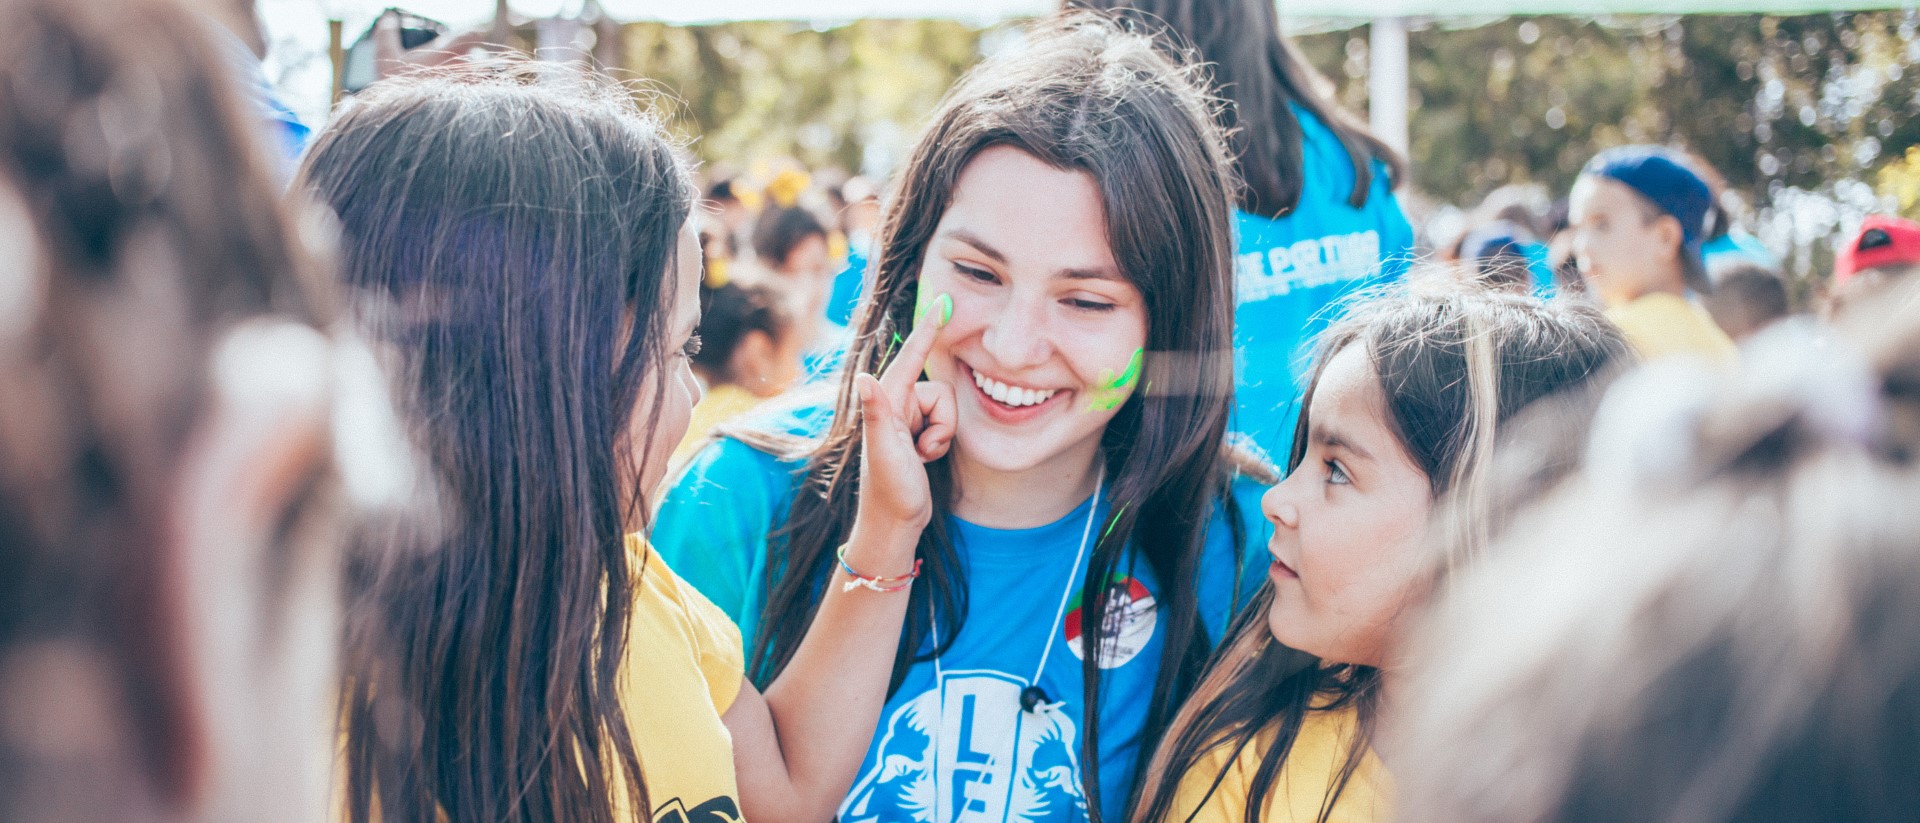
[
  {"x": 774, "y": 440},
  {"x": 1312, "y": 128},
  {"x": 1328, "y": 168},
  {"x": 1320, "y": 753},
  {"x": 1308, "y": 775},
  {"x": 1662, "y": 324},
  {"x": 746, "y": 474},
  {"x": 680, "y": 620},
  {"x": 1215, "y": 787},
  {"x": 729, "y": 464},
  {"x": 805, "y": 412}
]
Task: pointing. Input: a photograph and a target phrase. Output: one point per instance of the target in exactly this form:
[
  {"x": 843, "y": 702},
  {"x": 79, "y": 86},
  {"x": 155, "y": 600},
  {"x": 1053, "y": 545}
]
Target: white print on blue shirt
[
  {"x": 966, "y": 752},
  {"x": 987, "y": 760},
  {"x": 1305, "y": 264}
]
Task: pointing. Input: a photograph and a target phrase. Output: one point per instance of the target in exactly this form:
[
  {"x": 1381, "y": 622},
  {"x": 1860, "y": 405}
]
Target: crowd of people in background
[{"x": 1127, "y": 454}]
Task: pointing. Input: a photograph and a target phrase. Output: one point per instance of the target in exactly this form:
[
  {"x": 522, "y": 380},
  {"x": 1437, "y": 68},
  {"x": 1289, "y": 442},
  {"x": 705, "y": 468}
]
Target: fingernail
[{"x": 945, "y": 302}]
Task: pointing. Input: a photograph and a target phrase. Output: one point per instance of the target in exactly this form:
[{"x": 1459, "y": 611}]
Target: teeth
[{"x": 1011, "y": 395}]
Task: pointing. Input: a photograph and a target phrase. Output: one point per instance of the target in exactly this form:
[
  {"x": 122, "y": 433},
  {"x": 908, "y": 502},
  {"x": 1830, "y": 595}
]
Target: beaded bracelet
[{"x": 879, "y": 584}]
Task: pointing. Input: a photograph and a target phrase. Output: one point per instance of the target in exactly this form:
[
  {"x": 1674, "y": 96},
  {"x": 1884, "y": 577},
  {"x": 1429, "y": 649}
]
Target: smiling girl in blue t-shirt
[{"x": 1066, "y": 213}]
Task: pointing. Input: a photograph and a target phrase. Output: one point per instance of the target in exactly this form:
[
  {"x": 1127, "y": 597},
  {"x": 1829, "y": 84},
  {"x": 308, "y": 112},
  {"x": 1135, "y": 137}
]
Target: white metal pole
[{"x": 1387, "y": 81}]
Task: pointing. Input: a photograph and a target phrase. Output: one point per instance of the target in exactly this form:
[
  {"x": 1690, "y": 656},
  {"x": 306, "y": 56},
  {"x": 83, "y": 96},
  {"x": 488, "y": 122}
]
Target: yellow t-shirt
[
  {"x": 1661, "y": 325},
  {"x": 682, "y": 672},
  {"x": 722, "y": 404},
  {"x": 1300, "y": 789}
]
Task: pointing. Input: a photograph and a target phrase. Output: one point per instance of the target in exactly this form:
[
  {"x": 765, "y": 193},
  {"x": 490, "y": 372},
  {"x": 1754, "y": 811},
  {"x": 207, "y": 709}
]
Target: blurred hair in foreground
[
  {"x": 167, "y": 462},
  {"x": 1711, "y": 617}
]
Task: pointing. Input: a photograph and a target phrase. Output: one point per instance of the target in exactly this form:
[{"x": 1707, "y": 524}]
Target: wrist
[
  {"x": 885, "y": 550},
  {"x": 855, "y": 578}
]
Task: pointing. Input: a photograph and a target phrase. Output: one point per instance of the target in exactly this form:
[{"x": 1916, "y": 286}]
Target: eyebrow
[
  {"x": 981, "y": 245},
  {"x": 1334, "y": 439}
]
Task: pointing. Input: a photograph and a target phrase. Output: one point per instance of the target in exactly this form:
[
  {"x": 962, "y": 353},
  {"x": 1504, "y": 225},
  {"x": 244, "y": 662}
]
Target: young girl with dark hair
[
  {"x": 521, "y": 243},
  {"x": 1066, "y": 211},
  {"x": 1408, "y": 396},
  {"x": 1317, "y": 218}
]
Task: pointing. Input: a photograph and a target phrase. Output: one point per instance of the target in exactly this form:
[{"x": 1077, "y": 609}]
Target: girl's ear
[
  {"x": 1667, "y": 228},
  {"x": 754, "y": 364}
]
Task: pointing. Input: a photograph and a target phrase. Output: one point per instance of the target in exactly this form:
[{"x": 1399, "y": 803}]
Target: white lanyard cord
[
  {"x": 1065, "y": 596},
  {"x": 933, "y": 622},
  {"x": 933, "y": 627}
]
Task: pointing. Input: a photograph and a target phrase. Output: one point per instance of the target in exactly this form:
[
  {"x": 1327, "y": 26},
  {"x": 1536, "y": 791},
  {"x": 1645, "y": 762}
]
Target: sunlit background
[{"x": 1808, "y": 116}]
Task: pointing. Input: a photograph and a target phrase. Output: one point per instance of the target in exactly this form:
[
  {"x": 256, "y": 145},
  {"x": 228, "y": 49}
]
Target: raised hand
[
  {"x": 391, "y": 57},
  {"x": 906, "y": 422}
]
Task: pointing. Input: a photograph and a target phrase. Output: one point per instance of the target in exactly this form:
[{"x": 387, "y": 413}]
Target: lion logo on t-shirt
[{"x": 965, "y": 752}]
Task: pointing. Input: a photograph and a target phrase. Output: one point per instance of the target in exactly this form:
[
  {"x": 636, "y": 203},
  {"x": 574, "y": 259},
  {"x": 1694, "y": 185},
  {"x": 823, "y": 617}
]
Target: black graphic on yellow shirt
[{"x": 718, "y": 810}]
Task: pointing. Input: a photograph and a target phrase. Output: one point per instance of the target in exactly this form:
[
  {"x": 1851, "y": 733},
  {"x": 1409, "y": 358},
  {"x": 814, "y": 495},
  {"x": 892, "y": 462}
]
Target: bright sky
[{"x": 297, "y": 29}]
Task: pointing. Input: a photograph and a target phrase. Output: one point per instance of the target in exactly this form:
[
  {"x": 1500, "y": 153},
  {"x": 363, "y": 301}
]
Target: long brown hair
[
  {"x": 508, "y": 235},
  {"x": 1079, "y": 95},
  {"x": 1255, "y": 66},
  {"x": 1454, "y": 362}
]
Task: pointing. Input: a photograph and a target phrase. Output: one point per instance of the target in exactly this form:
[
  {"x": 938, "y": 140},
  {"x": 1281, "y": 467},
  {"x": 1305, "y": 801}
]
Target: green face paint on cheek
[
  {"x": 939, "y": 305},
  {"x": 1114, "y": 389}
]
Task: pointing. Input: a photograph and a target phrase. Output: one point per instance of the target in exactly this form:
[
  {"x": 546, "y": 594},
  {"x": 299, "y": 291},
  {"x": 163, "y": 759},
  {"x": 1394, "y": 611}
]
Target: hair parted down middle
[
  {"x": 1455, "y": 363},
  {"x": 1081, "y": 95}
]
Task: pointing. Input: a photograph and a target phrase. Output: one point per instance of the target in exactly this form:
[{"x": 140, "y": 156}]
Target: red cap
[{"x": 1882, "y": 240}]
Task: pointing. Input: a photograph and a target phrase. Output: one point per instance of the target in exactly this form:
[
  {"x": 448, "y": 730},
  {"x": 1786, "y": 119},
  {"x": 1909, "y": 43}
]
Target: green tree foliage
[
  {"x": 1816, "y": 111},
  {"x": 1796, "y": 101},
  {"x": 759, "y": 91}
]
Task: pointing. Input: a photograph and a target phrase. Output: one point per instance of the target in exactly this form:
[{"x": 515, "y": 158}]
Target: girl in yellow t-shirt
[
  {"x": 1407, "y": 397},
  {"x": 519, "y": 241}
]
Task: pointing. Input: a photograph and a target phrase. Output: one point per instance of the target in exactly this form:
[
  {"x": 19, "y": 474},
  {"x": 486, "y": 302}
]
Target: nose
[
  {"x": 1014, "y": 338},
  {"x": 1279, "y": 507}
]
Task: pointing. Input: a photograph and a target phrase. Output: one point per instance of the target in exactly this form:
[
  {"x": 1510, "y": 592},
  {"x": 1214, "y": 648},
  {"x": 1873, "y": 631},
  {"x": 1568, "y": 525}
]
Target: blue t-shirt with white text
[
  {"x": 953, "y": 743},
  {"x": 1292, "y": 273}
]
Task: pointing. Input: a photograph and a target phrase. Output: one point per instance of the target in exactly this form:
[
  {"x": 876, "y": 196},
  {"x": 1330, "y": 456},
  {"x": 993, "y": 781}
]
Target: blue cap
[{"x": 1662, "y": 176}]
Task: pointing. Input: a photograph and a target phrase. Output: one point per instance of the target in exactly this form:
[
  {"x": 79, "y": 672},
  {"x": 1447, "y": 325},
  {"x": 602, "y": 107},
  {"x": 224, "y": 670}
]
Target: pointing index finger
[{"x": 898, "y": 377}]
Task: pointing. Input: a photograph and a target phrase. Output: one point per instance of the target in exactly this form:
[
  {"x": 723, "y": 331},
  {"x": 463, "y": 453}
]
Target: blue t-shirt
[
  {"x": 848, "y": 286},
  {"x": 1292, "y": 273},
  {"x": 1735, "y": 248},
  {"x": 961, "y": 748}
]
